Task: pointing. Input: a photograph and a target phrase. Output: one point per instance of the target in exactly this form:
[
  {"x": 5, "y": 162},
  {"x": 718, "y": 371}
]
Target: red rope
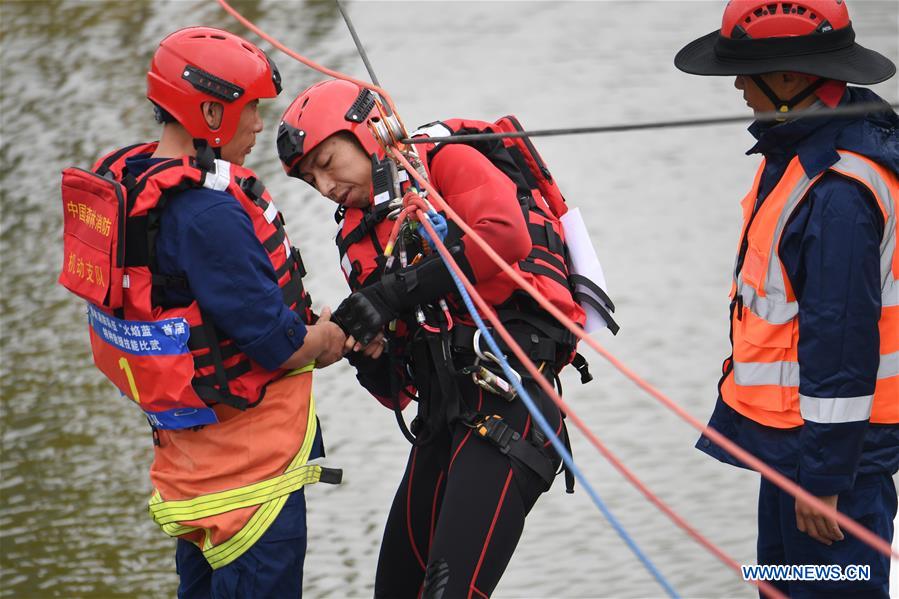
[
  {"x": 775, "y": 477},
  {"x": 769, "y": 473},
  {"x": 557, "y": 399},
  {"x": 309, "y": 63}
]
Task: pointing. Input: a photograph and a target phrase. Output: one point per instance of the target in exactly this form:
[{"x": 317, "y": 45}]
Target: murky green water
[{"x": 662, "y": 207}]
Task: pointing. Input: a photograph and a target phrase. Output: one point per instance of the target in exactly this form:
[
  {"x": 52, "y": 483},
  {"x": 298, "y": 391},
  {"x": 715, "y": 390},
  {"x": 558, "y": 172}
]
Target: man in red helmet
[
  {"x": 812, "y": 384},
  {"x": 478, "y": 463},
  {"x": 206, "y": 249}
]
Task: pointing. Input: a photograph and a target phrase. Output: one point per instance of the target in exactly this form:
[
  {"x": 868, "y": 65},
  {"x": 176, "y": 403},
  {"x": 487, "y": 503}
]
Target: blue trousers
[
  {"x": 871, "y": 503},
  {"x": 272, "y": 567}
]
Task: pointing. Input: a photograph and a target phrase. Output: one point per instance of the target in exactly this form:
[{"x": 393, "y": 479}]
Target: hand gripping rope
[{"x": 776, "y": 478}]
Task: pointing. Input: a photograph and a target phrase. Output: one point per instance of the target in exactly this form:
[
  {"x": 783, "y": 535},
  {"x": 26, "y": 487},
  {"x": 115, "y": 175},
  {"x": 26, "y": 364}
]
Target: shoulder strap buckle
[{"x": 253, "y": 187}]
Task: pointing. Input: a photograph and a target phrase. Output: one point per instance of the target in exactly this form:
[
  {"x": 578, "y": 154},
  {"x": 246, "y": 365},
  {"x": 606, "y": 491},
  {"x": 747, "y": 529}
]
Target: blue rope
[{"x": 557, "y": 444}]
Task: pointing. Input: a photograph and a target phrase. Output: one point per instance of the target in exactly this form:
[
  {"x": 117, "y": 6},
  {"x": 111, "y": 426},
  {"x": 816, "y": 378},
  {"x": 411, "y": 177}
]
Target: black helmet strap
[{"x": 785, "y": 106}]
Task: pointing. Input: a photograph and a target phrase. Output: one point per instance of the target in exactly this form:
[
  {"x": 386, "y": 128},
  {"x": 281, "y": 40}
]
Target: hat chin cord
[{"x": 785, "y": 106}]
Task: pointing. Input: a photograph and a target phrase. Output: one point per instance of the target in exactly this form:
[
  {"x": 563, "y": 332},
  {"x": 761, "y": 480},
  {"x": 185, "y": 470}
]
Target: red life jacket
[
  {"x": 172, "y": 361},
  {"x": 364, "y": 233}
]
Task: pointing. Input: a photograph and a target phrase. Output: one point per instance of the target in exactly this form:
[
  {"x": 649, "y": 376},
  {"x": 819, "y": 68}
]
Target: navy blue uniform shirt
[
  {"x": 831, "y": 253},
  {"x": 206, "y": 237}
]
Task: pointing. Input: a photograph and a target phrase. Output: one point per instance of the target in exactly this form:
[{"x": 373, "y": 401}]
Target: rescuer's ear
[{"x": 212, "y": 112}]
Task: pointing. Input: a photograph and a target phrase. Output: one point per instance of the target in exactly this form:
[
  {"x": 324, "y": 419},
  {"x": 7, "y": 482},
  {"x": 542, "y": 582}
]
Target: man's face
[
  {"x": 244, "y": 138},
  {"x": 755, "y": 98},
  {"x": 784, "y": 85},
  {"x": 339, "y": 169}
]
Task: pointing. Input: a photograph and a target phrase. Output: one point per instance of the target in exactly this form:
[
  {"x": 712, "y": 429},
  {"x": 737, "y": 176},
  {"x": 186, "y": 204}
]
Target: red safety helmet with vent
[
  {"x": 322, "y": 110},
  {"x": 814, "y": 37},
  {"x": 202, "y": 64}
]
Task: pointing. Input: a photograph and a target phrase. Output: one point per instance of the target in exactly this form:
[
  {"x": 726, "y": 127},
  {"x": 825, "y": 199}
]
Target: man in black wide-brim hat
[{"x": 812, "y": 384}]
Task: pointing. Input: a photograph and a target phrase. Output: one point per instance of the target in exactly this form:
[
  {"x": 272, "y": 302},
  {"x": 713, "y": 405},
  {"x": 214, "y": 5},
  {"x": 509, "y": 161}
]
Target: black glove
[
  {"x": 366, "y": 311},
  {"x": 374, "y": 375}
]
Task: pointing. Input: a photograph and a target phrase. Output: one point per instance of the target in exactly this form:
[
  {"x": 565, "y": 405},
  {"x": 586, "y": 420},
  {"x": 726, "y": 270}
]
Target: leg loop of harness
[{"x": 493, "y": 429}]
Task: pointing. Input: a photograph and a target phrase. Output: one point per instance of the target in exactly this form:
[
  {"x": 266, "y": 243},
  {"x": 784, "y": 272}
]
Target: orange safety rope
[
  {"x": 775, "y": 477},
  {"x": 766, "y": 471},
  {"x": 547, "y": 388}
]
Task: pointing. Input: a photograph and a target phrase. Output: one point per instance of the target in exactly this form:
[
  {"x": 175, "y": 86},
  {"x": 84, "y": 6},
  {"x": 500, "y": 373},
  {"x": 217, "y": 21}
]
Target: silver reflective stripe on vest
[
  {"x": 853, "y": 165},
  {"x": 766, "y": 308},
  {"x": 753, "y": 374},
  {"x": 832, "y": 410},
  {"x": 220, "y": 179},
  {"x": 774, "y": 307},
  {"x": 889, "y": 365},
  {"x": 890, "y": 294}
]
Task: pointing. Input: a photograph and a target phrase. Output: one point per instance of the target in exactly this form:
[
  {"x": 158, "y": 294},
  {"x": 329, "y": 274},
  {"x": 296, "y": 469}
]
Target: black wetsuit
[{"x": 460, "y": 509}]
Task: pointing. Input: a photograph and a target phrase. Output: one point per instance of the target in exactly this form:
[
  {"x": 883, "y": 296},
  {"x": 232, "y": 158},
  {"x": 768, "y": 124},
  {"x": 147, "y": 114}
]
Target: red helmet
[
  {"x": 202, "y": 64},
  {"x": 814, "y": 37},
  {"x": 322, "y": 110},
  {"x": 760, "y": 19}
]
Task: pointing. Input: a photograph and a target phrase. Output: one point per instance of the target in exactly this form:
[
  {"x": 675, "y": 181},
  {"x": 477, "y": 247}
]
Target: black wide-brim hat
[{"x": 831, "y": 55}]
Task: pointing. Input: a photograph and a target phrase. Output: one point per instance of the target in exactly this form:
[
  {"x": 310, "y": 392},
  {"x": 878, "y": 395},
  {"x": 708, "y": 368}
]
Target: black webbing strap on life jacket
[
  {"x": 214, "y": 388},
  {"x": 294, "y": 261},
  {"x": 545, "y": 327},
  {"x": 551, "y": 259},
  {"x": 296, "y": 298},
  {"x": 593, "y": 288},
  {"x": 585, "y": 298},
  {"x": 103, "y": 168},
  {"x": 544, "y": 235},
  {"x": 604, "y": 307},
  {"x": 493, "y": 429},
  {"x": 140, "y": 231},
  {"x": 369, "y": 221},
  {"x": 274, "y": 240},
  {"x": 254, "y": 189},
  {"x": 538, "y": 269},
  {"x": 523, "y": 167}
]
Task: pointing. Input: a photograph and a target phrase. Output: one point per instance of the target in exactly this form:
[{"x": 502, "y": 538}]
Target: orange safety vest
[
  {"x": 761, "y": 378},
  {"x": 222, "y": 486}
]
